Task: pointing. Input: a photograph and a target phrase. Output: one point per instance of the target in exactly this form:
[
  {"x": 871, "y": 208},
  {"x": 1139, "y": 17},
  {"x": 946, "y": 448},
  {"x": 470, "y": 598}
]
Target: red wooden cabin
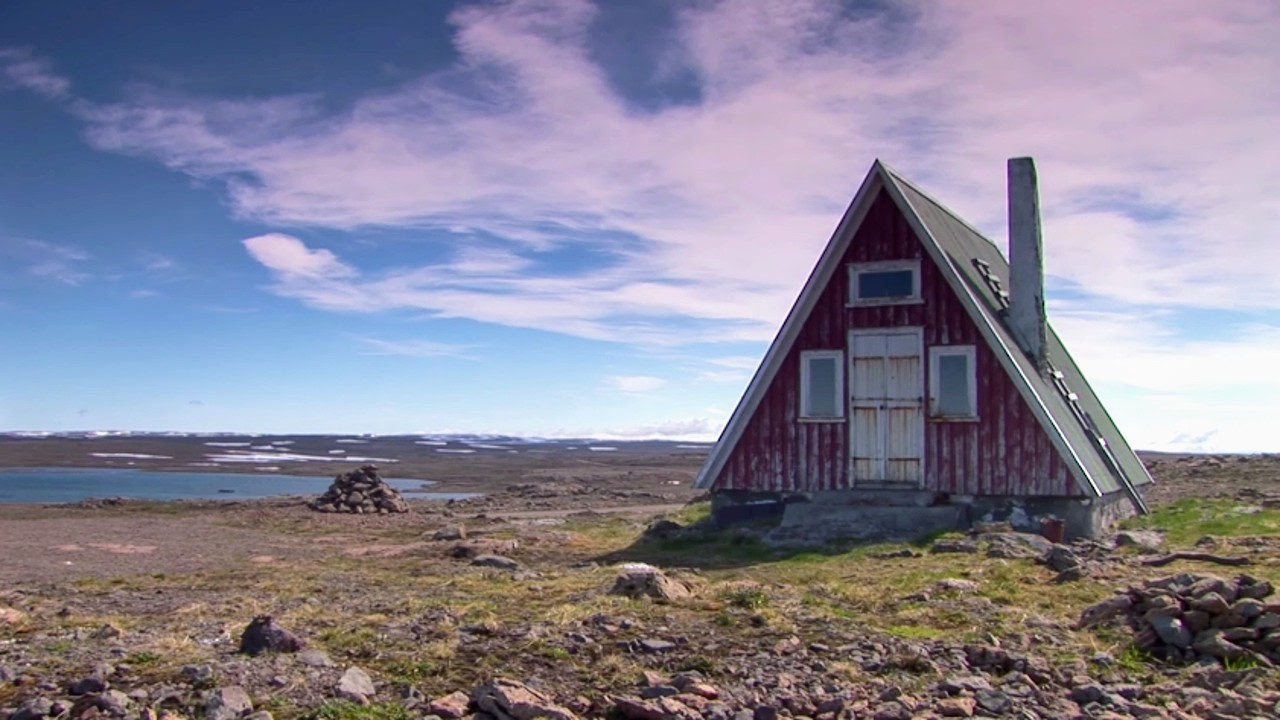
[{"x": 916, "y": 385}]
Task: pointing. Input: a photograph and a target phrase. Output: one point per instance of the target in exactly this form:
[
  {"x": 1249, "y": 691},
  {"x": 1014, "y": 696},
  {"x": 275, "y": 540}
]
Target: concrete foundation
[{"x": 913, "y": 513}]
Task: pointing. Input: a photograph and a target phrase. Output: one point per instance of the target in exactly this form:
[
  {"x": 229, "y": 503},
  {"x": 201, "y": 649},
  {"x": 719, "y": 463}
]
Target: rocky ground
[{"x": 557, "y": 595}]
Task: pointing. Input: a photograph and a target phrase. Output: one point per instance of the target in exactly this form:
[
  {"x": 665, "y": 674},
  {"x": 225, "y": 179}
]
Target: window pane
[
  {"x": 953, "y": 385},
  {"x": 822, "y": 387},
  {"x": 886, "y": 284}
]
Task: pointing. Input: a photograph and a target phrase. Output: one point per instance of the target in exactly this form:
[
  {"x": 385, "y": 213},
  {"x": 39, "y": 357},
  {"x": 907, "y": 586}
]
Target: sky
[{"x": 566, "y": 218}]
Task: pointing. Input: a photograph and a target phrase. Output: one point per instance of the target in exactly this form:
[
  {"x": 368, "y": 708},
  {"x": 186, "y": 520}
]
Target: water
[{"x": 60, "y": 485}]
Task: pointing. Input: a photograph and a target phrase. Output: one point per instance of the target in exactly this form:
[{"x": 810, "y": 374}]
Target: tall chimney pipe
[{"x": 1026, "y": 261}]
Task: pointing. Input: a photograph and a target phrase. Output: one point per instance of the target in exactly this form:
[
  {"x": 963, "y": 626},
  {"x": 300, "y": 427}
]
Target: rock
[
  {"x": 1213, "y": 644},
  {"x": 1229, "y": 591},
  {"x": 505, "y": 698},
  {"x": 1062, "y": 558},
  {"x": 955, "y": 707},
  {"x": 495, "y": 561},
  {"x": 1102, "y": 611},
  {"x": 1088, "y": 693},
  {"x": 475, "y": 548},
  {"x": 1251, "y": 587},
  {"x": 355, "y": 685},
  {"x": 227, "y": 703},
  {"x": 634, "y": 709},
  {"x": 33, "y": 709},
  {"x": 1211, "y": 603},
  {"x": 314, "y": 658},
  {"x": 638, "y": 580},
  {"x": 765, "y": 712},
  {"x": 84, "y": 686},
  {"x": 1171, "y": 631},
  {"x": 457, "y": 532},
  {"x": 993, "y": 701},
  {"x": 954, "y": 545},
  {"x": 259, "y": 715},
  {"x": 1016, "y": 545},
  {"x": 956, "y": 585},
  {"x": 657, "y": 691},
  {"x": 651, "y": 645},
  {"x": 453, "y": 705},
  {"x": 1248, "y": 608},
  {"x": 964, "y": 683},
  {"x": 892, "y": 710},
  {"x": 263, "y": 635},
  {"x": 1143, "y": 540}
]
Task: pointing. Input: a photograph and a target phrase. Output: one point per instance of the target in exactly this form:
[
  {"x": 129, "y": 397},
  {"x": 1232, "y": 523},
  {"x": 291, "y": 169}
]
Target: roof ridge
[{"x": 898, "y": 178}]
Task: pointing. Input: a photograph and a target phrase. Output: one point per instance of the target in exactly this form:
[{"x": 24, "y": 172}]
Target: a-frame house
[{"x": 915, "y": 386}]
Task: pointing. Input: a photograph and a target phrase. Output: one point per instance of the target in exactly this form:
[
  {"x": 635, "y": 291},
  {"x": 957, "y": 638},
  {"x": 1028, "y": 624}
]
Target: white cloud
[
  {"x": 1155, "y": 148},
  {"x": 289, "y": 257},
  {"x": 1153, "y": 131},
  {"x": 635, "y": 383},
  {"x": 19, "y": 68}
]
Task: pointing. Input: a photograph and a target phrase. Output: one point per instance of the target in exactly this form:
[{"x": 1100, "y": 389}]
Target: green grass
[
  {"x": 746, "y": 598},
  {"x": 346, "y": 710},
  {"x": 916, "y": 632},
  {"x": 1187, "y": 520}
]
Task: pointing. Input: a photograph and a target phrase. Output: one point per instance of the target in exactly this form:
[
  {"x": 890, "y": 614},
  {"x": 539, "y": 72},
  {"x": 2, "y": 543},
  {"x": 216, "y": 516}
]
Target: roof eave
[{"x": 791, "y": 326}]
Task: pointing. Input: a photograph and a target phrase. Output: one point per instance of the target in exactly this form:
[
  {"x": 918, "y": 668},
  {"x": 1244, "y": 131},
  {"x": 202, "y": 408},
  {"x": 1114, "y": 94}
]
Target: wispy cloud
[
  {"x": 20, "y": 68},
  {"x": 415, "y": 348},
  {"x": 635, "y": 383},
  {"x": 52, "y": 261}
]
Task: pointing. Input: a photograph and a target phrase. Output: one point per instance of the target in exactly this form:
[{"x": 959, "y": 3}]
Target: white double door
[{"x": 886, "y": 397}]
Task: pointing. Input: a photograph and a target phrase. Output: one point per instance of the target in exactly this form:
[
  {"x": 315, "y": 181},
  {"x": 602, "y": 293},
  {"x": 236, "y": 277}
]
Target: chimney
[{"x": 1026, "y": 265}]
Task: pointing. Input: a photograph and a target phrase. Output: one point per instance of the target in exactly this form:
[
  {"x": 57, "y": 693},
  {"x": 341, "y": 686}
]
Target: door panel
[{"x": 886, "y": 406}]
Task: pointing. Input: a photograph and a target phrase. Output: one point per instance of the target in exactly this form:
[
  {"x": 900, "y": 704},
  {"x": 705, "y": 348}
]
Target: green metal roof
[{"x": 1087, "y": 430}]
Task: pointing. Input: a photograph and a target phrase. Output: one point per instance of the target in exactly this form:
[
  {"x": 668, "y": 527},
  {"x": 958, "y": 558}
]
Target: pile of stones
[
  {"x": 361, "y": 492},
  {"x": 1187, "y": 617}
]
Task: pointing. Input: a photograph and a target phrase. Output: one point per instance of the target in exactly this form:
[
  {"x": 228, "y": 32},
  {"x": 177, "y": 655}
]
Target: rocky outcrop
[
  {"x": 361, "y": 492},
  {"x": 1188, "y": 617}
]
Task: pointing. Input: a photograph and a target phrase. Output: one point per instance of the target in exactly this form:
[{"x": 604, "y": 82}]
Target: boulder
[
  {"x": 638, "y": 580},
  {"x": 355, "y": 685},
  {"x": 227, "y": 703},
  {"x": 264, "y": 635},
  {"x": 505, "y": 698}
]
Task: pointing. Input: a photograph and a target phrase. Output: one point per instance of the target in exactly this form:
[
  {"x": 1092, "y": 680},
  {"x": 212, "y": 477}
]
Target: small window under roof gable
[{"x": 890, "y": 282}]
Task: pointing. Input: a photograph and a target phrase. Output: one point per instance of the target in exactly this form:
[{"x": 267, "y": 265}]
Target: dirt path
[{"x": 567, "y": 512}]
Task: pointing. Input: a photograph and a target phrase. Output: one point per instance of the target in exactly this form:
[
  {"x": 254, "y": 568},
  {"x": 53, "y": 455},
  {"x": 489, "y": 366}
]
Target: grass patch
[
  {"x": 916, "y": 632},
  {"x": 748, "y": 598},
  {"x": 1187, "y": 520},
  {"x": 693, "y": 514},
  {"x": 346, "y": 710}
]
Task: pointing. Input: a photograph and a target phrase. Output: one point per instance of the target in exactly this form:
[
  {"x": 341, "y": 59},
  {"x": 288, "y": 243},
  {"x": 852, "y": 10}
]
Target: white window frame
[
  {"x": 857, "y": 269},
  {"x": 935, "y": 354},
  {"x": 806, "y": 414}
]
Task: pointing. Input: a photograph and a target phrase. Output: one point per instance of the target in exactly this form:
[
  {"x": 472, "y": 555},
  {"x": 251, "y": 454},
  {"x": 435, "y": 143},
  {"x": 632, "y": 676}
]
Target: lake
[{"x": 62, "y": 485}]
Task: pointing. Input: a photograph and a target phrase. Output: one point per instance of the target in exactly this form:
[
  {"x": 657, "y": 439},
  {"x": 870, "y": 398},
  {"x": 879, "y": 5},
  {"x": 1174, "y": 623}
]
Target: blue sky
[{"x": 557, "y": 217}]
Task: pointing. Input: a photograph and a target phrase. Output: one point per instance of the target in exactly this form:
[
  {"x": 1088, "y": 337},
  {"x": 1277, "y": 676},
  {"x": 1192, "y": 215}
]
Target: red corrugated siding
[{"x": 1005, "y": 452}]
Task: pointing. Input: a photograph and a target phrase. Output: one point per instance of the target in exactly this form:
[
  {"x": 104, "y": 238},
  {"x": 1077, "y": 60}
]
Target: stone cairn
[
  {"x": 361, "y": 492},
  {"x": 1187, "y": 617}
]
